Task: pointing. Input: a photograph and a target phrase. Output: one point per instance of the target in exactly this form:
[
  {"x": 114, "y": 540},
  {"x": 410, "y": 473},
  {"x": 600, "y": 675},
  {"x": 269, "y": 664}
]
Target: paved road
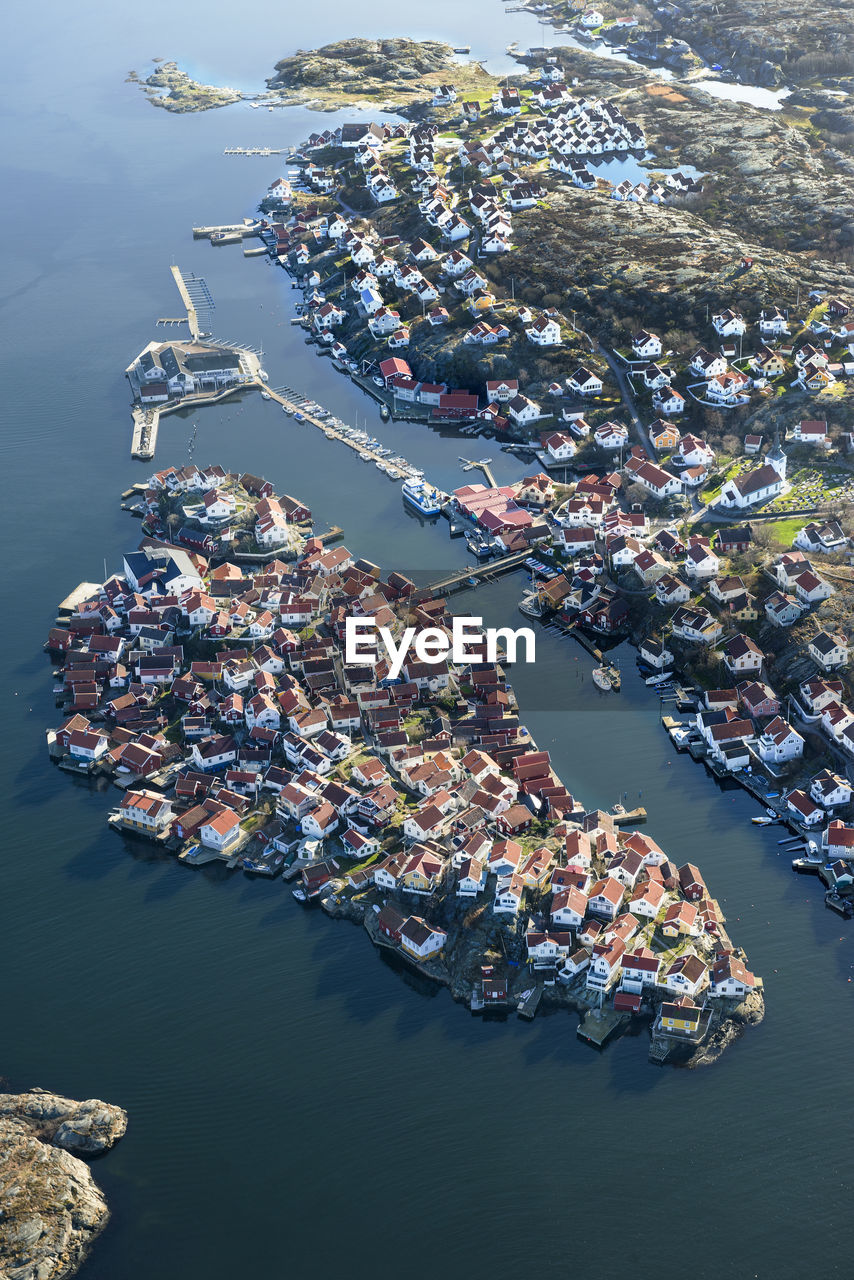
[{"x": 624, "y": 385}]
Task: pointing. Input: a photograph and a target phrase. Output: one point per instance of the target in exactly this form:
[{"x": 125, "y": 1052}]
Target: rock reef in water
[
  {"x": 51, "y": 1208},
  {"x": 174, "y": 90}
]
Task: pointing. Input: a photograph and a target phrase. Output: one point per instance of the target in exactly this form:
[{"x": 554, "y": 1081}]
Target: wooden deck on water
[{"x": 598, "y": 1025}]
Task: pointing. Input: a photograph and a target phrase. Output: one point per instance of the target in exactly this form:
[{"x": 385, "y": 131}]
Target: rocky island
[
  {"x": 175, "y": 90},
  {"x": 51, "y": 1208},
  {"x": 391, "y": 74}
]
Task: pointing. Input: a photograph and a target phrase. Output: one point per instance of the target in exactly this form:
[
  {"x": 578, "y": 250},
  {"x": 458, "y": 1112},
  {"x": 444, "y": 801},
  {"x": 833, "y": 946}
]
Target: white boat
[
  {"x": 665, "y": 675},
  {"x": 761, "y": 822},
  {"x": 772, "y": 813},
  {"x": 423, "y": 496},
  {"x": 265, "y": 395},
  {"x": 531, "y": 605},
  {"x": 601, "y": 679},
  {"x": 299, "y": 894}
]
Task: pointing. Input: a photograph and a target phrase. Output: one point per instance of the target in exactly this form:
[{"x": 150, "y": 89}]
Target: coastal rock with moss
[
  {"x": 175, "y": 90},
  {"x": 389, "y": 74},
  {"x": 51, "y": 1208}
]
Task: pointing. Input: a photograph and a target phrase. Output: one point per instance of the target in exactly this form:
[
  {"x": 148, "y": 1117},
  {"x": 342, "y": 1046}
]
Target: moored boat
[{"x": 424, "y": 497}]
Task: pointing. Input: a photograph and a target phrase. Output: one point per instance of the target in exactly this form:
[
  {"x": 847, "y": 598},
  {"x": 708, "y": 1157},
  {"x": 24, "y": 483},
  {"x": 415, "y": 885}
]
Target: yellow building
[{"x": 680, "y": 1017}]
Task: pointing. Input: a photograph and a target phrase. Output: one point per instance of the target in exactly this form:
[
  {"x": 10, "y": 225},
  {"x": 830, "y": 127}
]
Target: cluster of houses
[
  {"x": 216, "y": 505},
  {"x": 467, "y": 195},
  {"x": 420, "y": 791},
  {"x": 723, "y": 384}
]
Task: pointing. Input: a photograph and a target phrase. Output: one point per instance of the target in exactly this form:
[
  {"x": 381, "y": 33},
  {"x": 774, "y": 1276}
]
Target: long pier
[
  {"x": 293, "y": 402},
  {"x": 192, "y": 317},
  {"x": 461, "y": 578},
  {"x": 256, "y": 151}
]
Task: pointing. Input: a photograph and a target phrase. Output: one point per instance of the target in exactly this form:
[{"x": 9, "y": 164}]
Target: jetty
[
  {"x": 462, "y": 578},
  {"x": 84, "y": 591},
  {"x": 254, "y": 151},
  {"x": 236, "y": 230},
  {"x": 482, "y": 465},
  {"x": 293, "y": 402},
  {"x": 529, "y": 1002},
  {"x": 629, "y": 817},
  {"x": 146, "y": 422},
  {"x": 189, "y": 304},
  {"x": 598, "y": 1025}
]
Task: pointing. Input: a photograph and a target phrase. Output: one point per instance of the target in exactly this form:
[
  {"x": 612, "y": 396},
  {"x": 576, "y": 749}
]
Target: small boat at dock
[
  {"x": 806, "y": 866},
  {"x": 761, "y": 822},
  {"x": 607, "y": 677},
  {"x": 530, "y": 604}
]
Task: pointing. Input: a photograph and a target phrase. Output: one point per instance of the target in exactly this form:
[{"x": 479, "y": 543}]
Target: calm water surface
[{"x": 295, "y": 1103}]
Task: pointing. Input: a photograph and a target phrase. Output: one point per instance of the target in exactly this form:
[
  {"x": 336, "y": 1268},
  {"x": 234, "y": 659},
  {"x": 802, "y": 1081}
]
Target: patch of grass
[{"x": 783, "y": 531}]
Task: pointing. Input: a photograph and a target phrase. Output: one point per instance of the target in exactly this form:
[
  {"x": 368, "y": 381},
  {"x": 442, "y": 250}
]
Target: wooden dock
[
  {"x": 85, "y": 591},
  {"x": 254, "y": 151},
  {"x": 294, "y": 403},
  {"x": 469, "y": 577},
  {"x": 598, "y": 1025},
  {"x": 630, "y": 818},
  {"x": 483, "y": 465},
  {"x": 528, "y": 1004},
  {"x": 146, "y": 422},
  {"x": 192, "y": 317}
]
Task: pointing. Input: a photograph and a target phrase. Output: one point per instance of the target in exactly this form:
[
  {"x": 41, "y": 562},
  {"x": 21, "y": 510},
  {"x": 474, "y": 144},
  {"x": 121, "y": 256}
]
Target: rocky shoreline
[
  {"x": 51, "y": 1208},
  {"x": 455, "y": 969},
  {"x": 173, "y": 89},
  {"x": 391, "y": 75}
]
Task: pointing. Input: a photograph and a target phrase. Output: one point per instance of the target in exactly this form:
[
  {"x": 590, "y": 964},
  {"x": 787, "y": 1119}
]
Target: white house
[
  {"x": 779, "y": 742},
  {"x": 221, "y": 832},
  {"x": 701, "y": 562},
  {"x": 773, "y": 323},
  {"x": 646, "y": 346},
  {"x": 829, "y": 651},
  {"x": 669, "y": 401},
  {"x": 560, "y": 447},
  {"x": 585, "y": 383},
  {"x": 611, "y": 435},
  {"x": 472, "y": 878},
  {"x": 523, "y": 410},
  {"x": 420, "y": 939},
  {"x": 545, "y": 332},
  {"x": 830, "y": 790},
  {"x": 729, "y": 323}
]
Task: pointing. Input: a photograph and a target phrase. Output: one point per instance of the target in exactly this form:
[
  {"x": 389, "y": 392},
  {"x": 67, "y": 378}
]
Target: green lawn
[{"x": 784, "y": 530}]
